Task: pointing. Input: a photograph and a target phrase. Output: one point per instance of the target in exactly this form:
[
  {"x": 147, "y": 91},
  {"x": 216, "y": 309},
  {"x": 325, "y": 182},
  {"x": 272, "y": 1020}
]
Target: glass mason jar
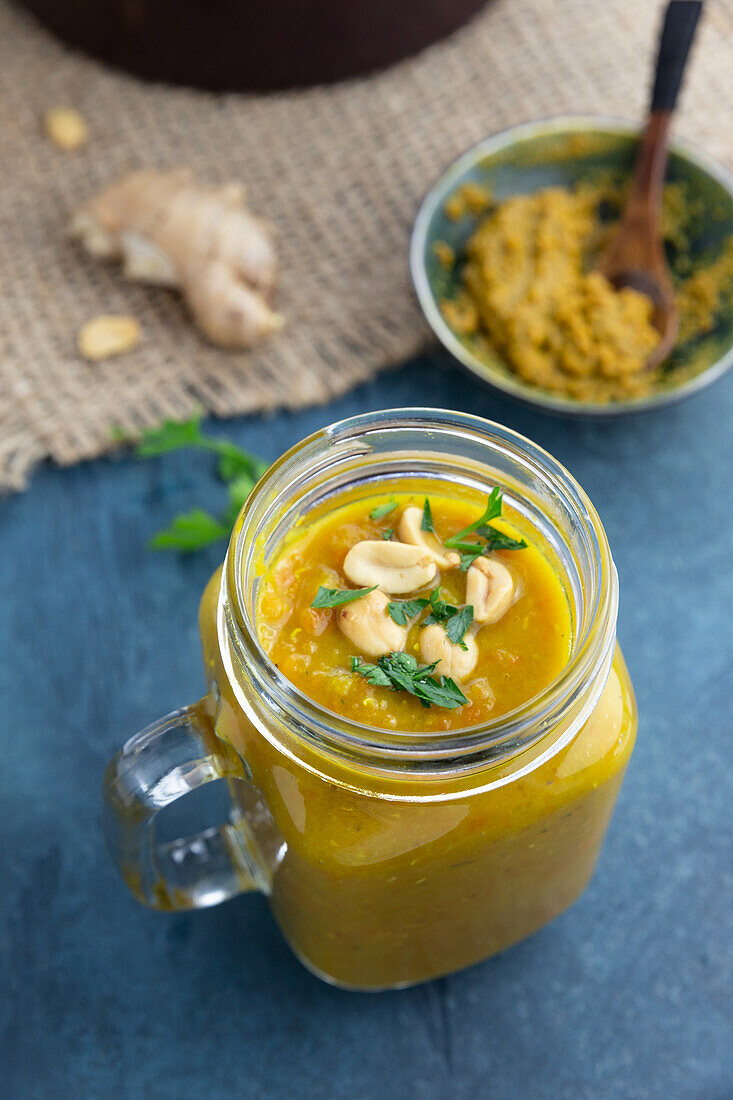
[{"x": 388, "y": 858}]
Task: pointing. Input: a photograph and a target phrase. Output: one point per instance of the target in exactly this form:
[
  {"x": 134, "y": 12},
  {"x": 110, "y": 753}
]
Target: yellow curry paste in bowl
[{"x": 503, "y": 256}]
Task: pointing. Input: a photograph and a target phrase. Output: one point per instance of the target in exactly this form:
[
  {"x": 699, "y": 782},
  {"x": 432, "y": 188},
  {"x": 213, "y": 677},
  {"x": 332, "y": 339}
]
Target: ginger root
[{"x": 168, "y": 230}]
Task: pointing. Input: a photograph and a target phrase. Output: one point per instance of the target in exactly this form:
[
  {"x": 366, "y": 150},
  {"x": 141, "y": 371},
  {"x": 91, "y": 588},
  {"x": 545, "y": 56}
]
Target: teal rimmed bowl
[{"x": 561, "y": 152}]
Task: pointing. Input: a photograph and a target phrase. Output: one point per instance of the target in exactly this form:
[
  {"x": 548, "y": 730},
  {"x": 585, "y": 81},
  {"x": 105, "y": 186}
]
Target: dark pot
[{"x": 252, "y": 45}]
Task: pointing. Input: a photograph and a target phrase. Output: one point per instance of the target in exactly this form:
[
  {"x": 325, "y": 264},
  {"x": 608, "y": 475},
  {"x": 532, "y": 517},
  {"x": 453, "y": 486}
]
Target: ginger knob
[{"x": 168, "y": 230}]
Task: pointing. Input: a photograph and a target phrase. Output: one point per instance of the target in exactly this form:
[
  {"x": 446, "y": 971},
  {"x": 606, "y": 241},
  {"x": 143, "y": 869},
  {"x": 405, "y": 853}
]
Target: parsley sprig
[
  {"x": 493, "y": 538},
  {"x": 403, "y": 610},
  {"x": 401, "y": 672},
  {"x": 190, "y": 531},
  {"x": 383, "y": 510},
  {"x": 173, "y": 435},
  {"x": 237, "y": 468},
  {"x": 335, "y": 597},
  {"x": 456, "y": 620}
]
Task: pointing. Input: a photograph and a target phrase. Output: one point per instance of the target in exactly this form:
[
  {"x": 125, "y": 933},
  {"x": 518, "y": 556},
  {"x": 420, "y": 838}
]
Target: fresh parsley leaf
[
  {"x": 405, "y": 660},
  {"x": 455, "y": 620},
  {"x": 172, "y": 435},
  {"x": 238, "y": 490},
  {"x": 404, "y": 674},
  {"x": 401, "y": 672},
  {"x": 467, "y": 547},
  {"x": 190, "y": 531},
  {"x": 235, "y": 463},
  {"x": 469, "y": 558},
  {"x": 335, "y": 597},
  {"x": 427, "y": 518},
  {"x": 444, "y": 692},
  {"x": 239, "y": 469},
  {"x": 402, "y": 610},
  {"x": 387, "y": 535},
  {"x": 439, "y": 609},
  {"x": 457, "y": 625},
  {"x": 373, "y": 674},
  {"x": 175, "y": 435},
  {"x": 493, "y": 538},
  {"x": 499, "y": 540},
  {"x": 383, "y": 510},
  {"x": 492, "y": 511}
]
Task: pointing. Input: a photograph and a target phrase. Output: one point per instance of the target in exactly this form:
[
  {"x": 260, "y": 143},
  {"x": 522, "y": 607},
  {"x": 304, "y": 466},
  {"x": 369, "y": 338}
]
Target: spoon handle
[{"x": 678, "y": 31}]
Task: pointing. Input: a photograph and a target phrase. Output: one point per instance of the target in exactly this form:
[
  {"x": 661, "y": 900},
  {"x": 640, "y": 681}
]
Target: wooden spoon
[{"x": 635, "y": 255}]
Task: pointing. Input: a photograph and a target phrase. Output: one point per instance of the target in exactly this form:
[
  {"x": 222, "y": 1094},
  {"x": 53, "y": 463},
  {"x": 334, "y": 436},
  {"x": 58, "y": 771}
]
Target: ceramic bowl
[{"x": 562, "y": 152}]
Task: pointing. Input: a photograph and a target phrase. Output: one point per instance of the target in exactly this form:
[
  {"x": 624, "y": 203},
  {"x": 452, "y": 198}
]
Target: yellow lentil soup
[
  {"x": 518, "y": 655},
  {"x": 390, "y": 879}
]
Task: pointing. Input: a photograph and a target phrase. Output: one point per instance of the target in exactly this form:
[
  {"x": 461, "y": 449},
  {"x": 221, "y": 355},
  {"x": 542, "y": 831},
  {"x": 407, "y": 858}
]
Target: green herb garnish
[
  {"x": 402, "y": 610},
  {"x": 237, "y": 468},
  {"x": 493, "y": 538},
  {"x": 439, "y": 609},
  {"x": 499, "y": 540},
  {"x": 427, "y": 518},
  {"x": 238, "y": 489},
  {"x": 174, "y": 435},
  {"x": 387, "y": 535},
  {"x": 373, "y": 674},
  {"x": 190, "y": 531},
  {"x": 335, "y": 597},
  {"x": 457, "y": 625},
  {"x": 455, "y": 620},
  {"x": 492, "y": 511},
  {"x": 401, "y": 672},
  {"x": 171, "y": 435},
  {"x": 469, "y": 558},
  {"x": 383, "y": 510}
]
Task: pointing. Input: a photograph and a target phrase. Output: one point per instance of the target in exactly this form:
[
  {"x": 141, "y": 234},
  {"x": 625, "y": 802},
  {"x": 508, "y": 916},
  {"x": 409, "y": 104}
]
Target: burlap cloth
[{"x": 338, "y": 171}]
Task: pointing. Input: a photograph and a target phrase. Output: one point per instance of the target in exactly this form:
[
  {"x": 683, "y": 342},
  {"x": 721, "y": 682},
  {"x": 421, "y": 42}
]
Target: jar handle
[{"x": 156, "y": 767}]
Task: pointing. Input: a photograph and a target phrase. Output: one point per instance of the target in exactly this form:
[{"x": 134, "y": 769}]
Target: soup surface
[{"x": 492, "y": 627}]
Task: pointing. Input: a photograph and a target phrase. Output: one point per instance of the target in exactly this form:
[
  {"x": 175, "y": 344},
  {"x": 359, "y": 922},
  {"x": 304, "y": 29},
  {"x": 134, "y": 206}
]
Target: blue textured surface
[{"x": 627, "y": 995}]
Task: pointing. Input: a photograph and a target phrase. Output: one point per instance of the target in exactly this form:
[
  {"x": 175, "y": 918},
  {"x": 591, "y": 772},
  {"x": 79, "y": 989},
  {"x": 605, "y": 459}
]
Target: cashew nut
[
  {"x": 410, "y": 531},
  {"x": 489, "y": 590},
  {"x": 66, "y": 128},
  {"x": 394, "y": 566},
  {"x": 435, "y": 645},
  {"x": 367, "y": 624},
  {"x": 108, "y": 335}
]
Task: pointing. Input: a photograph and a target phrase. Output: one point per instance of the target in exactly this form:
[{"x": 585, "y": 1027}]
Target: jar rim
[{"x": 276, "y": 697}]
